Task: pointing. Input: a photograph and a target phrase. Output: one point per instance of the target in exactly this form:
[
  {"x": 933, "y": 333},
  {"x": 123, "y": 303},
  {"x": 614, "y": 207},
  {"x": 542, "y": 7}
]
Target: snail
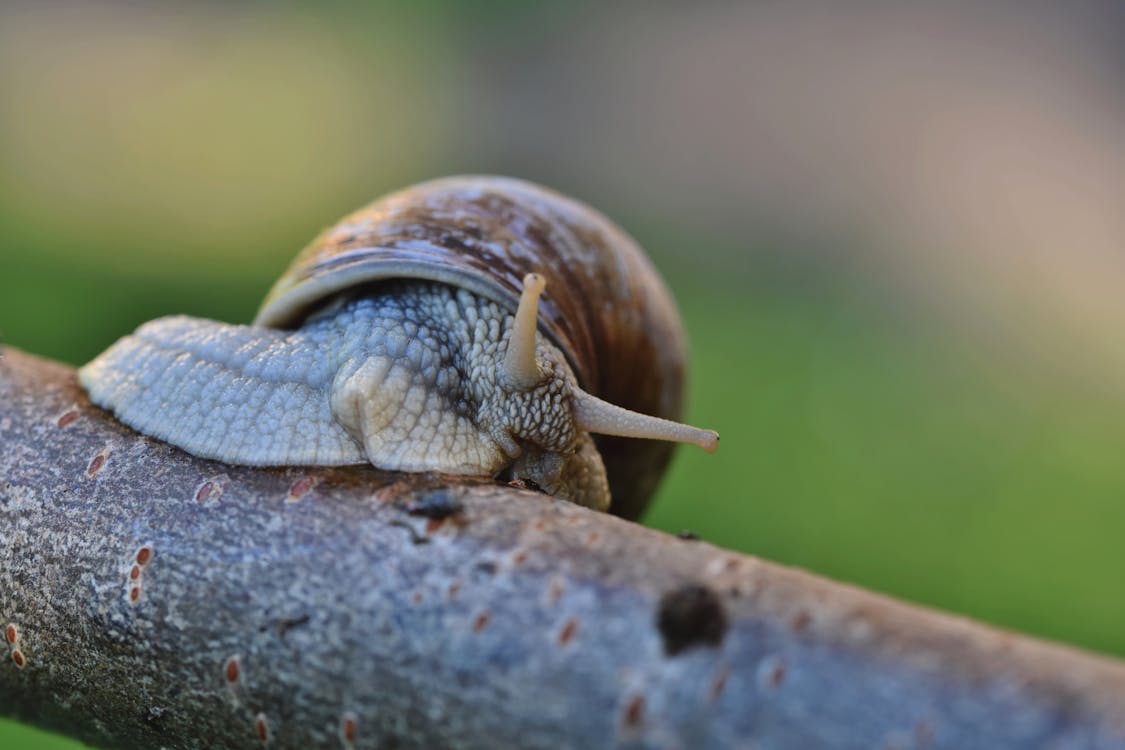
[{"x": 466, "y": 325}]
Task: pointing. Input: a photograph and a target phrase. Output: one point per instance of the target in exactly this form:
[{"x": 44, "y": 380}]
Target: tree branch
[{"x": 152, "y": 599}]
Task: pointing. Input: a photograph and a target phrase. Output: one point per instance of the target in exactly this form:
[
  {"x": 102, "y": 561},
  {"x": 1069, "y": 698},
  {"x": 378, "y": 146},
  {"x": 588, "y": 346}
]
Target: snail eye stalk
[
  {"x": 520, "y": 370},
  {"x": 603, "y": 418}
]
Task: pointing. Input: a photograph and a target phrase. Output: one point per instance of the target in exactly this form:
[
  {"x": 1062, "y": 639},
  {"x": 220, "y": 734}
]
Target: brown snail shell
[{"x": 605, "y": 306}]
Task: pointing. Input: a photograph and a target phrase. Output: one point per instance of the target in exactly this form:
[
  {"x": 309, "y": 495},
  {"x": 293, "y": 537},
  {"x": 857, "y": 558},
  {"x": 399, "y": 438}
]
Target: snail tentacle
[
  {"x": 520, "y": 369},
  {"x": 603, "y": 418}
]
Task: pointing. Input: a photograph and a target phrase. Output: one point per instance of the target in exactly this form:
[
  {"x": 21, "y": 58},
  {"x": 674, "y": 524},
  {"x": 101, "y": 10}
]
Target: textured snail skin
[{"x": 404, "y": 377}]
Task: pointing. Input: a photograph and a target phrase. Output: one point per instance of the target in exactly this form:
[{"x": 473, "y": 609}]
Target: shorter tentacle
[{"x": 520, "y": 369}]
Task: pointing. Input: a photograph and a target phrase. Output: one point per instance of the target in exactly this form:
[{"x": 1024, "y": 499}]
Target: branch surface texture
[{"x": 153, "y": 599}]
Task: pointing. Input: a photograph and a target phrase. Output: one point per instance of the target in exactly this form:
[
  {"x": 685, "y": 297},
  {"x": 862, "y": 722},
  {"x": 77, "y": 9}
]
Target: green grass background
[{"x": 864, "y": 437}]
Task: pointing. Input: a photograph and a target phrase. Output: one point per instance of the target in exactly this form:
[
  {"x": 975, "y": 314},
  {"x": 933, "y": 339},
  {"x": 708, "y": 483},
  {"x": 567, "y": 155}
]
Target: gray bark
[{"x": 159, "y": 600}]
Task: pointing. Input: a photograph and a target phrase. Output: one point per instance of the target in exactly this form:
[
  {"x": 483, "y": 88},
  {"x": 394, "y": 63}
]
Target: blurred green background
[{"x": 895, "y": 233}]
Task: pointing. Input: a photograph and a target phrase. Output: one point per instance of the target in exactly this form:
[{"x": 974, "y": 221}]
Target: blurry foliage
[{"x": 173, "y": 160}]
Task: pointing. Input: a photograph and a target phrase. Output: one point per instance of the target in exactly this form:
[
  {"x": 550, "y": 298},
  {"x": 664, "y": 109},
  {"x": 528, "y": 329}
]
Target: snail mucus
[{"x": 467, "y": 325}]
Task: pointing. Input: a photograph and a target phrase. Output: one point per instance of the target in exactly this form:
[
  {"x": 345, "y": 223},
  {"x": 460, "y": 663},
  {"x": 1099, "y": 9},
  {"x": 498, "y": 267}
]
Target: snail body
[{"x": 410, "y": 336}]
